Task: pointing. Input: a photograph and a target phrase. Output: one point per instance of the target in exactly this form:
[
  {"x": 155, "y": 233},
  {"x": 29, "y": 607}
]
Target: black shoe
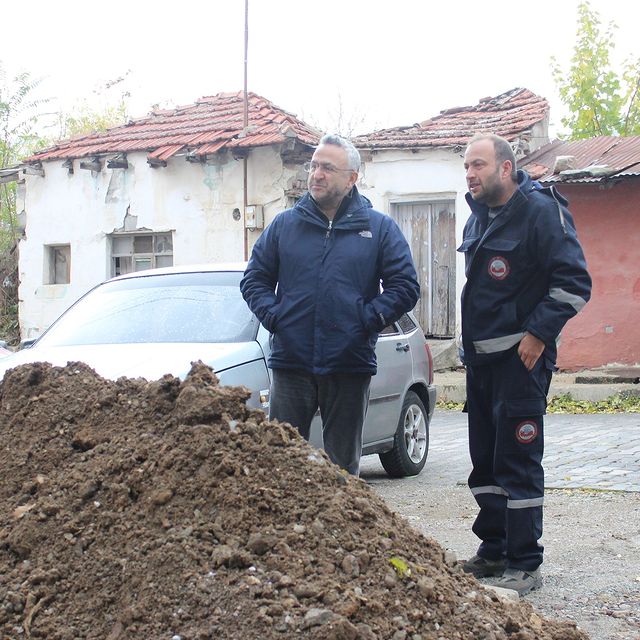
[
  {"x": 483, "y": 567},
  {"x": 520, "y": 581}
]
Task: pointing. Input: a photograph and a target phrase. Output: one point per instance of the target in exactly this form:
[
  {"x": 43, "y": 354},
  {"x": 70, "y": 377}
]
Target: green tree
[
  {"x": 601, "y": 102},
  {"x": 21, "y": 126},
  {"x": 85, "y": 119},
  {"x": 18, "y": 118}
]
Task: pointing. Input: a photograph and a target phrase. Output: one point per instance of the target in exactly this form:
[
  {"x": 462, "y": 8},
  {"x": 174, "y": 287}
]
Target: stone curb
[{"x": 451, "y": 387}]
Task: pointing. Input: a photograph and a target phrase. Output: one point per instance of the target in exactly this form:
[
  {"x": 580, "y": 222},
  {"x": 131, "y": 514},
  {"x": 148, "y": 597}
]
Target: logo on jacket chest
[{"x": 498, "y": 268}]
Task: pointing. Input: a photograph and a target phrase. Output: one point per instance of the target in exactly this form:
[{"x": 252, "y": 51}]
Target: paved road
[
  {"x": 592, "y": 514},
  {"x": 590, "y": 451}
]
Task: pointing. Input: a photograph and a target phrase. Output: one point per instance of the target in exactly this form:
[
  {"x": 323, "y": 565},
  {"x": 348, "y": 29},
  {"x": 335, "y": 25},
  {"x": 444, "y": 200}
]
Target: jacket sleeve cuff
[
  {"x": 536, "y": 334},
  {"x": 373, "y": 320}
]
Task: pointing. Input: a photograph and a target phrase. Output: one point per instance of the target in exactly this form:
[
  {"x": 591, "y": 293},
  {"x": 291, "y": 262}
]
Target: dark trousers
[
  {"x": 506, "y": 404},
  {"x": 342, "y": 400}
]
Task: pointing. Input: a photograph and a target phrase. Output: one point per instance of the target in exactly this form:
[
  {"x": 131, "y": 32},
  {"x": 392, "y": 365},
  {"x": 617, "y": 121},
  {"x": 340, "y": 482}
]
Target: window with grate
[{"x": 137, "y": 252}]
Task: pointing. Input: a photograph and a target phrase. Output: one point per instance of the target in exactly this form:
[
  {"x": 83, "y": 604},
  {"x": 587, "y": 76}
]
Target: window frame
[
  {"x": 131, "y": 261},
  {"x": 53, "y": 274}
]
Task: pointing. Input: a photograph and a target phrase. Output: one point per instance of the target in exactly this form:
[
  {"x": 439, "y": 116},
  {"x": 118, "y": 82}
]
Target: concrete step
[
  {"x": 610, "y": 375},
  {"x": 444, "y": 353}
]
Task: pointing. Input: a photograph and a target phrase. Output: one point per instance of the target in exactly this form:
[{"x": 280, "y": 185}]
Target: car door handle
[{"x": 402, "y": 347}]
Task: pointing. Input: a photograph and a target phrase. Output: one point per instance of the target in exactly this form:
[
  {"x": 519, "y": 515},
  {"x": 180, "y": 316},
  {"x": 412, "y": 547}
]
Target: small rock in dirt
[{"x": 316, "y": 617}]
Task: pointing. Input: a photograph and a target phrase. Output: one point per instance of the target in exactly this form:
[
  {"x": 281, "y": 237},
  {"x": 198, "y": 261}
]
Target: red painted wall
[{"x": 607, "y": 330}]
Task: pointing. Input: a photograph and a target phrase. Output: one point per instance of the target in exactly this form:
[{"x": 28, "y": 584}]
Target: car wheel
[{"x": 411, "y": 440}]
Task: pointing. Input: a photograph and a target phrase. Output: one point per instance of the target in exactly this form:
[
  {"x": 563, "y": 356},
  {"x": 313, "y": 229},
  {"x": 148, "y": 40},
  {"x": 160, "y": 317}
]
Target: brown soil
[{"x": 168, "y": 510}]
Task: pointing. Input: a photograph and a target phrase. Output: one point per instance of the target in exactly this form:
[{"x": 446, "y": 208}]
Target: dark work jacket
[
  {"x": 316, "y": 285},
  {"x": 526, "y": 272}
]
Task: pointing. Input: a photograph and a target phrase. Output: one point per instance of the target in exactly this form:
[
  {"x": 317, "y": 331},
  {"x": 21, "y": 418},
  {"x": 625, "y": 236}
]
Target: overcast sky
[{"x": 387, "y": 62}]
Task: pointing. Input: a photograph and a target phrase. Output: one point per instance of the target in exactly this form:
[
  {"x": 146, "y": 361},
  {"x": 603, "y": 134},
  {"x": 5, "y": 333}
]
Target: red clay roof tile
[
  {"x": 204, "y": 127},
  {"x": 510, "y": 114}
]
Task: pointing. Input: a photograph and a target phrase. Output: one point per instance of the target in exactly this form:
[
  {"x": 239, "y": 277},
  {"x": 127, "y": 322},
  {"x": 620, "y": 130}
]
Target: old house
[
  {"x": 198, "y": 183},
  {"x": 187, "y": 185},
  {"x": 601, "y": 179},
  {"x": 416, "y": 175}
]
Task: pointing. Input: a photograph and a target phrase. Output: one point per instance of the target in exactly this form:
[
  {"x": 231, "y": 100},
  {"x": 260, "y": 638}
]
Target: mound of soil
[{"x": 168, "y": 510}]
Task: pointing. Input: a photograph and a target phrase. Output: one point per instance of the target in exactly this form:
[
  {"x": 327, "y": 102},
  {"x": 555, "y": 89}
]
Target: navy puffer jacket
[
  {"x": 327, "y": 308},
  {"x": 526, "y": 272}
]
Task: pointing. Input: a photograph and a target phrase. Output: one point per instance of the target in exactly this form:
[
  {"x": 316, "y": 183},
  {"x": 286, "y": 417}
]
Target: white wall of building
[
  {"x": 193, "y": 200},
  {"x": 390, "y": 177}
]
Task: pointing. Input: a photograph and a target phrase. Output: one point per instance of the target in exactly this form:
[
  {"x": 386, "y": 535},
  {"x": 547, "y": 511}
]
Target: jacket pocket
[
  {"x": 467, "y": 244},
  {"x": 501, "y": 244},
  {"x": 524, "y": 427},
  {"x": 272, "y": 321},
  {"x": 502, "y": 262}
]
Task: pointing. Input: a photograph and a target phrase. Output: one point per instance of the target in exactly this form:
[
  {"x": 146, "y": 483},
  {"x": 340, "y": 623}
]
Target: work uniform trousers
[
  {"x": 506, "y": 403},
  {"x": 342, "y": 399}
]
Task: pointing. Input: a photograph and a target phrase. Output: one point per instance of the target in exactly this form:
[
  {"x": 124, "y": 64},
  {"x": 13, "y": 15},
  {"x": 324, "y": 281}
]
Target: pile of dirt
[{"x": 168, "y": 510}]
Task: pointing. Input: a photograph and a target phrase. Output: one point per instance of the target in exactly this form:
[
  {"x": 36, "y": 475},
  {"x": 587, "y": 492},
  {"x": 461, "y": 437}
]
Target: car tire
[{"x": 411, "y": 440}]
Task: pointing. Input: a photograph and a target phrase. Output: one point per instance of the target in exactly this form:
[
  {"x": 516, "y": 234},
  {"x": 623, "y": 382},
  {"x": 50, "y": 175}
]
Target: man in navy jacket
[
  {"x": 526, "y": 276},
  {"x": 313, "y": 280}
]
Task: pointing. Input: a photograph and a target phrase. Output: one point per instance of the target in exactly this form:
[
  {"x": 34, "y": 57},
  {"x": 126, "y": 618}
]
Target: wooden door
[{"x": 429, "y": 228}]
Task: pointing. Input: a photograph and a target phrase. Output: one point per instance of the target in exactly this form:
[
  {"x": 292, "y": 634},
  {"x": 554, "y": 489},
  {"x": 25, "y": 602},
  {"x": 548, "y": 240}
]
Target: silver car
[{"x": 149, "y": 323}]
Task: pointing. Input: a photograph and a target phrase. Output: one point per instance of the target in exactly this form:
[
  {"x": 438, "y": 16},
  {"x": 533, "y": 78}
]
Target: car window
[
  {"x": 407, "y": 324},
  {"x": 389, "y": 330},
  {"x": 188, "y": 307}
]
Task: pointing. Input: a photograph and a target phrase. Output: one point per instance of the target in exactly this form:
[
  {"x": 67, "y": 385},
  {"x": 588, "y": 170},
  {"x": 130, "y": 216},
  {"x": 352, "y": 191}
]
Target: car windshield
[{"x": 183, "y": 307}]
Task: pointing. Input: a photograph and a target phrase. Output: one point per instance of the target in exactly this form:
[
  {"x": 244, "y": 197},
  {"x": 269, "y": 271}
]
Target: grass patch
[
  {"x": 449, "y": 406},
  {"x": 624, "y": 402},
  {"x": 620, "y": 403}
]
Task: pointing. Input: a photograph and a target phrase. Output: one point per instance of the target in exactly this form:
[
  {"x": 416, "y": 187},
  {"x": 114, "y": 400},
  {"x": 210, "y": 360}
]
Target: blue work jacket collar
[{"x": 352, "y": 213}]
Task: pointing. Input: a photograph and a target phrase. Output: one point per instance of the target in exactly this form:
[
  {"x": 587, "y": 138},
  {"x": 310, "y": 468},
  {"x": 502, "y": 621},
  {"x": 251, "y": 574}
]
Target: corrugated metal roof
[
  {"x": 593, "y": 160},
  {"x": 509, "y": 115},
  {"x": 209, "y": 125}
]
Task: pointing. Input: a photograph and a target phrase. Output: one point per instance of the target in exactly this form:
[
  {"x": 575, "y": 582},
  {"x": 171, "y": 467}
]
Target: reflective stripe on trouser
[
  {"x": 506, "y": 403},
  {"x": 342, "y": 399}
]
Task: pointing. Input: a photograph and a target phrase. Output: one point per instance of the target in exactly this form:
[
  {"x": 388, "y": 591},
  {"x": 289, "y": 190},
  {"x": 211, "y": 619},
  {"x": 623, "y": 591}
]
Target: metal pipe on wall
[{"x": 246, "y": 125}]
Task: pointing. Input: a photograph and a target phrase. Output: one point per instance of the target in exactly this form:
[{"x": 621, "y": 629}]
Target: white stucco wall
[
  {"x": 390, "y": 177},
  {"x": 194, "y": 200}
]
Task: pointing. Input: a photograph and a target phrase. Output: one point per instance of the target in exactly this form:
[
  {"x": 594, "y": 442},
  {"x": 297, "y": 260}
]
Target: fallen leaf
[{"x": 401, "y": 567}]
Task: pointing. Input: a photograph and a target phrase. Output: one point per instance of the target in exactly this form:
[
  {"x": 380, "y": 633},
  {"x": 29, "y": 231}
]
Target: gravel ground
[{"x": 591, "y": 539}]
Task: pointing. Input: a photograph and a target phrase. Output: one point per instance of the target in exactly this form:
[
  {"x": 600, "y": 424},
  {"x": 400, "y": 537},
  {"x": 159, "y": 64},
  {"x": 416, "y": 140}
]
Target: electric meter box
[{"x": 254, "y": 216}]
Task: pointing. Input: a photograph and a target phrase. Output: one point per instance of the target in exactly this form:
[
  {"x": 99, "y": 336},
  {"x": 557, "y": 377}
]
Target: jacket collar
[
  {"x": 352, "y": 212},
  {"x": 525, "y": 186},
  {"x": 481, "y": 210}
]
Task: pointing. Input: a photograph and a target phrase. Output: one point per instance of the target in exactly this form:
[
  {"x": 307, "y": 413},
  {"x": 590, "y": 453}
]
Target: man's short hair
[
  {"x": 353, "y": 155},
  {"x": 502, "y": 149}
]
